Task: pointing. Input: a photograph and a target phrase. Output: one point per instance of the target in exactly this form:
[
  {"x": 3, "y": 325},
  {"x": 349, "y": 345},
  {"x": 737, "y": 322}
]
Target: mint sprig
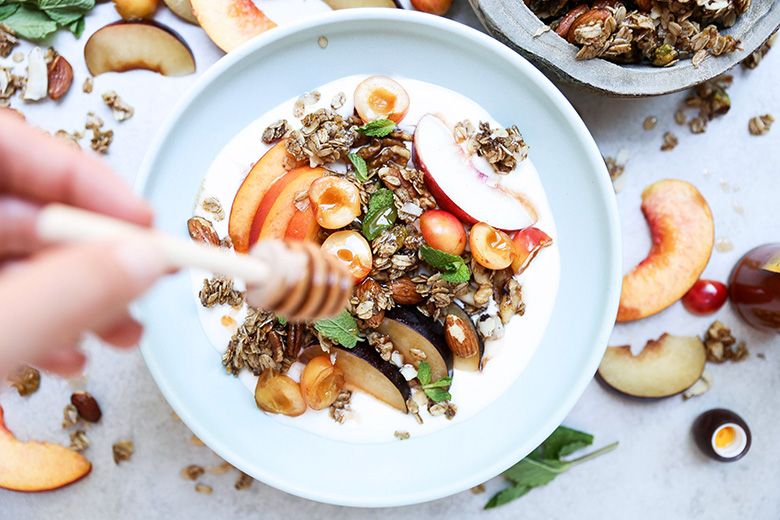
[
  {"x": 453, "y": 268},
  {"x": 377, "y": 128},
  {"x": 361, "y": 168},
  {"x": 545, "y": 463},
  {"x": 436, "y": 389},
  {"x": 37, "y": 19},
  {"x": 341, "y": 329}
]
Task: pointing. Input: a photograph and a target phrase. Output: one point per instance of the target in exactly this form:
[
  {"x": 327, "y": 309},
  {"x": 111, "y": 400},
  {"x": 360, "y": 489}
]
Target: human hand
[{"x": 50, "y": 295}]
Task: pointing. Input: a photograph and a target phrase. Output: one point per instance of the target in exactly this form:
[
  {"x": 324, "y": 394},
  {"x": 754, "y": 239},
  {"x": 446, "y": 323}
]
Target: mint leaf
[
  {"x": 564, "y": 441},
  {"x": 378, "y": 128},
  {"x": 341, "y": 329},
  {"x": 437, "y": 394},
  {"x": 439, "y": 259},
  {"x": 381, "y": 199},
  {"x": 7, "y": 10},
  {"x": 433, "y": 389},
  {"x": 424, "y": 373},
  {"x": 281, "y": 319},
  {"x": 504, "y": 497},
  {"x": 77, "y": 27},
  {"x": 381, "y": 214},
  {"x": 30, "y": 23},
  {"x": 460, "y": 275},
  {"x": 361, "y": 168},
  {"x": 454, "y": 268},
  {"x": 545, "y": 463}
]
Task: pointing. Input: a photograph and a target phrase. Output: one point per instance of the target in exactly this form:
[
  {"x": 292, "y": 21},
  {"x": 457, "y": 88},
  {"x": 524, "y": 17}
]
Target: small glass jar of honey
[{"x": 754, "y": 287}]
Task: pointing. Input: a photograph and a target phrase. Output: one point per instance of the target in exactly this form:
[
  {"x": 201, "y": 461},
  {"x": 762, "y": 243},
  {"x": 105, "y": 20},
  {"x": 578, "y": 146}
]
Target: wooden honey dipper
[{"x": 296, "y": 280}]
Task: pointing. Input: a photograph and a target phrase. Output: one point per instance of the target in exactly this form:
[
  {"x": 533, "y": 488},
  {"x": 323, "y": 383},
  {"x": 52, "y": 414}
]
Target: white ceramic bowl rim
[{"x": 266, "y": 71}]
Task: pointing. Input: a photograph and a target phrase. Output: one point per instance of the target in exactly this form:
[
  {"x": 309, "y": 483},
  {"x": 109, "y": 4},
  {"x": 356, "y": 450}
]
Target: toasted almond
[
  {"x": 60, "y": 77},
  {"x": 86, "y": 405},
  {"x": 587, "y": 18},
  {"x": 404, "y": 291},
  {"x": 460, "y": 337},
  {"x": 202, "y": 230}
]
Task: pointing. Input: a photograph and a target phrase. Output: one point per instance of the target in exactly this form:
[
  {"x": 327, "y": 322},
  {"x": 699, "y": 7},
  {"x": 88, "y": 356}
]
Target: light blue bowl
[{"x": 286, "y": 62}]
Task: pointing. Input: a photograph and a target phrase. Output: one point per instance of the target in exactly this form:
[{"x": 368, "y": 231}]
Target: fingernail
[{"x": 143, "y": 260}]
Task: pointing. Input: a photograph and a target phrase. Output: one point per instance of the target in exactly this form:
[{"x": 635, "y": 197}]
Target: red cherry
[{"x": 705, "y": 297}]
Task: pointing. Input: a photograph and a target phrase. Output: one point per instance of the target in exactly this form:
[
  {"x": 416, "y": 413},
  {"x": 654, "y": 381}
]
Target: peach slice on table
[
  {"x": 229, "y": 23},
  {"x": 683, "y": 235},
  {"x": 37, "y": 466},
  {"x": 277, "y": 208},
  {"x": 263, "y": 174},
  {"x": 439, "y": 7},
  {"x": 149, "y": 45}
]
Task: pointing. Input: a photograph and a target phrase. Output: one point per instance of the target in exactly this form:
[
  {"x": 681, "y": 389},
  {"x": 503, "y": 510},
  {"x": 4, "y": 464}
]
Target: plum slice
[
  {"x": 418, "y": 338},
  {"x": 665, "y": 367},
  {"x": 365, "y": 369}
]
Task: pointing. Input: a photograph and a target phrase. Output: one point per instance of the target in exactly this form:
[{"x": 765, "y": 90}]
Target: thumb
[{"x": 52, "y": 298}]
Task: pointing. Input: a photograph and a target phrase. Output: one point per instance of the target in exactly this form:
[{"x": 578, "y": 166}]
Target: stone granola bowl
[{"x": 513, "y": 23}]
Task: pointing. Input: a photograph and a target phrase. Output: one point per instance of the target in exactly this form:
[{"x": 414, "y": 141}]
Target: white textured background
[{"x": 656, "y": 473}]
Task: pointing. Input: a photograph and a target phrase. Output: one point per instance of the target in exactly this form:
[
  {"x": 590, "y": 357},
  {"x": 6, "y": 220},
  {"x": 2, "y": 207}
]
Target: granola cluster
[{"x": 660, "y": 32}]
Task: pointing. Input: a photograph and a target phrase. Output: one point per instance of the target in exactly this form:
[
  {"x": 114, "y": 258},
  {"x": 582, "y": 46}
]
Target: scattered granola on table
[
  {"x": 78, "y": 440},
  {"x": 25, "y": 379},
  {"x": 752, "y": 61},
  {"x": 122, "y": 111},
  {"x": 122, "y": 450},
  {"x": 670, "y": 142},
  {"x": 8, "y": 40},
  {"x": 760, "y": 125},
  {"x": 722, "y": 346}
]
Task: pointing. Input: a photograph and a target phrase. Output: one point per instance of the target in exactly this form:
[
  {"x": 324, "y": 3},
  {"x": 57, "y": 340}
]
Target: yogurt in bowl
[{"x": 464, "y": 161}]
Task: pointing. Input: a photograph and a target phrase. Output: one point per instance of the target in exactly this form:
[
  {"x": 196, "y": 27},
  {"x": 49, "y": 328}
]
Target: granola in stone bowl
[{"x": 439, "y": 215}]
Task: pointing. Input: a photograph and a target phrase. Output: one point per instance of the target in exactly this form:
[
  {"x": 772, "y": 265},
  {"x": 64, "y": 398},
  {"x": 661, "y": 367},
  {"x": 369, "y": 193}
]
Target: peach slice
[
  {"x": 135, "y": 9},
  {"x": 123, "y": 46},
  {"x": 380, "y": 97},
  {"x": 37, "y": 466},
  {"x": 229, "y": 23},
  {"x": 263, "y": 174},
  {"x": 683, "y": 235},
  {"x": 665, "y": 367},
  {"x": 303, "y": 226},
  {"x": 277, "y": 208},
  {"x": 460, "y": 187}
]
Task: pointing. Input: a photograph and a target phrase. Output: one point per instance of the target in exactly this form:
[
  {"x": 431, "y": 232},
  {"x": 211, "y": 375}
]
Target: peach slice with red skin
[
  {"x": 683, "y": 235},
  {"x": 462, "y": 189},
  {"x": 148, "y": 45},
  {"x": 277, "y": 208},
  {"x": 229, "y": 23},
  {"x": 438, "y": 7},
  {"x": 37, "y": 466},
  {"x": 263, "y": 174}
]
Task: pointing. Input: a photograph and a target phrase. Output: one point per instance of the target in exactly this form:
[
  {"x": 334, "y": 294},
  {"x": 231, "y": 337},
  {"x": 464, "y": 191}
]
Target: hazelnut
[{"x": 404, "y": 291}]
